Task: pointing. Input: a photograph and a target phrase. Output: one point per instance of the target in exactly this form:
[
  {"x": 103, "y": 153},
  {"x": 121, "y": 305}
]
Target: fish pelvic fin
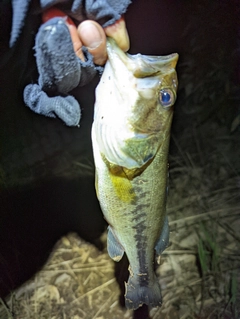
[
  {"x": 115, "y": 249},
  {"x": 136, "y": 295}
]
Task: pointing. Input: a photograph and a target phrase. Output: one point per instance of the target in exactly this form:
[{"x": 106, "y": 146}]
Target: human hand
[
  {"x": 90, "y": 34},
  {"x": 66, "y": 58}
]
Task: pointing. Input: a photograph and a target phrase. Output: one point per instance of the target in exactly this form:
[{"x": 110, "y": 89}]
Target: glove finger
[
  {"x": 66, "y": 108},
  {"x": 88, "y": 68},
  {"x": 57, "y": 63}
]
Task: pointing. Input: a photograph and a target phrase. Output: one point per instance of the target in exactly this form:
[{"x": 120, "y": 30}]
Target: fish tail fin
[{"x": 138, "y": 294}]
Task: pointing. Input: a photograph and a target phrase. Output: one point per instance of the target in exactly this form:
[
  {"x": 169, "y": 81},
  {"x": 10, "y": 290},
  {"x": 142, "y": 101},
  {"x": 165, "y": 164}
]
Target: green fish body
[{"x": 130, "y": 136}]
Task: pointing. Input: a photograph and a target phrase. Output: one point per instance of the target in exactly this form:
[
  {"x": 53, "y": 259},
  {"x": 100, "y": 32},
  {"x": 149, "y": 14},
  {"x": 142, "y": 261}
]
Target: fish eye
[{"x": 166, "y": 98}]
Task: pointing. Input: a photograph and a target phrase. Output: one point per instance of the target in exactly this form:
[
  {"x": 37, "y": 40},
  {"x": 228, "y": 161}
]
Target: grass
[
  {"x": 208, "y": 251},
  {"x": 233, "y": 294},
  {"x": 5, "y": 310}
]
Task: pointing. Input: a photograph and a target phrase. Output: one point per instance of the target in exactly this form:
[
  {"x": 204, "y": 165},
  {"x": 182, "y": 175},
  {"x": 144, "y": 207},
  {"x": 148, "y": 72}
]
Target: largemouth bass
[{"x": 130, "y": 135}]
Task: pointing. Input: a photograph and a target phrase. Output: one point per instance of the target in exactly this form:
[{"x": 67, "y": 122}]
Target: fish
[{"x": 130, "y": 137}]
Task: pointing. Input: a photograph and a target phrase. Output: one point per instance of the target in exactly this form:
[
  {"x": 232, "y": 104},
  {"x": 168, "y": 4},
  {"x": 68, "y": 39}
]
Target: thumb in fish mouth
[
  {"x": 93, "y": 36},
  {"x": 118, "y": 32}
]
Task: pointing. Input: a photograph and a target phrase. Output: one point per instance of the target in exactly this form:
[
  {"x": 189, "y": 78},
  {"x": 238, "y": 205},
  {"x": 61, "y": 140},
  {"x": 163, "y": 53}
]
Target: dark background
[{"x": 46, "y": 168}]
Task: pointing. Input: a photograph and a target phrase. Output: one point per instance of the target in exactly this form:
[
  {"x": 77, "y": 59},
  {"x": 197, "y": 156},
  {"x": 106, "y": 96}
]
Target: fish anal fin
[
  {"x": 163, "y": 240},
  {"x": 115, "y": 249}
]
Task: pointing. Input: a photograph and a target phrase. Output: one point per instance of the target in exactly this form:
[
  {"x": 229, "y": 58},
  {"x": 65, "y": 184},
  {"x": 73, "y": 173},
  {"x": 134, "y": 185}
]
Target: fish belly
[{"x": 135, "y": 211}]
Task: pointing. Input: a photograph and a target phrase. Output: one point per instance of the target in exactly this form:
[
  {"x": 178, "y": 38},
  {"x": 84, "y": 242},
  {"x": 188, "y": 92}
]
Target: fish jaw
[{"x": 141, "y": 66}]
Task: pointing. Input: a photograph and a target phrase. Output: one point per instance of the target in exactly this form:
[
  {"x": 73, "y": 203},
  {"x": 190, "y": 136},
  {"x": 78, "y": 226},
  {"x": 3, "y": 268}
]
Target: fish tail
[{"x": 138, "y": 294}]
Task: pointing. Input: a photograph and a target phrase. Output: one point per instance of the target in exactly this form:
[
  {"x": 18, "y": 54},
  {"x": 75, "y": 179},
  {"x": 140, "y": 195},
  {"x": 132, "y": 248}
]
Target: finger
[
  {"x": 118, "y": 32},
  {"x": 93, "y": 37},
  {"x": 77, "y": 44}
]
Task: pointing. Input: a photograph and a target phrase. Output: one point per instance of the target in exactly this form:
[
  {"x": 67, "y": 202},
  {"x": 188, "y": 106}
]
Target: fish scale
[{"x": 130, "y": 135}]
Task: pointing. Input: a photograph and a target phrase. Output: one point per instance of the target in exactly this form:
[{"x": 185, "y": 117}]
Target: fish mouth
[{"x": 140, "y": 65}]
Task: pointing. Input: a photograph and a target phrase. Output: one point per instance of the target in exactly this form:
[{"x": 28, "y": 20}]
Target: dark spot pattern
[{"x": 139, "y": 220}]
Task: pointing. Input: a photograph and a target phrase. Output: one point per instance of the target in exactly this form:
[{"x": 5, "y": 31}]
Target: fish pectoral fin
[
  {"x": 163, "y": 240},
  {"x": 115, "y": 249}
]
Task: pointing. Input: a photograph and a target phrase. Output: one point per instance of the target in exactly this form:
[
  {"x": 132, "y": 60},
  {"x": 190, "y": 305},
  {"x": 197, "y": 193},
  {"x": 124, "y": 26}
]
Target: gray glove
[{"x": 60, "y": 70}]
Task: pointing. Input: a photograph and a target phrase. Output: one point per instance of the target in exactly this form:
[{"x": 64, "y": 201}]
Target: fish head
[
  {"x": 134, "y": 105},
  {"x": 147, "y": 86}
]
